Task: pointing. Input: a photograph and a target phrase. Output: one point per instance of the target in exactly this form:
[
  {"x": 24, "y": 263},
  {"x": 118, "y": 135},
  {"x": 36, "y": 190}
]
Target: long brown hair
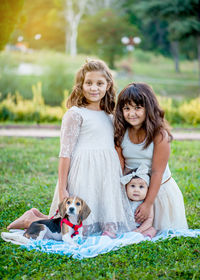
[
  {"x": 143, "y": 95},
  {"x": 77, "y": 98}
]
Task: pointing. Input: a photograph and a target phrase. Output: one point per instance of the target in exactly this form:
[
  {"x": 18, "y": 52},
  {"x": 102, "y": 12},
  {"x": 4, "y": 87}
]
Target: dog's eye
[
  {"x": 78, "y": 203},
  {"x": 68, "y": 202}
]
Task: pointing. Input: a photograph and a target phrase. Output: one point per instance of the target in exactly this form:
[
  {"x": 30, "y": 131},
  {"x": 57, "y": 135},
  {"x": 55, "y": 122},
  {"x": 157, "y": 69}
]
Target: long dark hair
[
  {"x": 77, "y": 98},
  {"x": 143, "y": 95}
]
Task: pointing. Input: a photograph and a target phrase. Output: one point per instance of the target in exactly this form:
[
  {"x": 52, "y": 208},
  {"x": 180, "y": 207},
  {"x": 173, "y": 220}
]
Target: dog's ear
[
  {"x": 62, "y": 207},
  {"x": 85, "y": 211}
]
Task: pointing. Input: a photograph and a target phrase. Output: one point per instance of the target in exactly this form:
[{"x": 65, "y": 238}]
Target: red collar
[
  {"x": 54, "y": 214},
  {"x": 75, "y": 227}
]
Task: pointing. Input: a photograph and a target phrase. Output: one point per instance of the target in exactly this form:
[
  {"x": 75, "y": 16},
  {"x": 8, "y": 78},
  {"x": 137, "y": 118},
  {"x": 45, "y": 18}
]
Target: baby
[{"x": 136, "y": 183}]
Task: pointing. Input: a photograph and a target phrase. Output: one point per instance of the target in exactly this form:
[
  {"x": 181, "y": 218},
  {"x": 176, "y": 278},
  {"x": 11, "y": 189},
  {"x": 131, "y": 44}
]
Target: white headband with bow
[{"x": 141, "y": 172}]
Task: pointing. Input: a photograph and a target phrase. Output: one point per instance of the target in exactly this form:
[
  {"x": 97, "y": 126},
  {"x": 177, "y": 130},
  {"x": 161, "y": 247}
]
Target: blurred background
[{"x": 43, "y": 44}]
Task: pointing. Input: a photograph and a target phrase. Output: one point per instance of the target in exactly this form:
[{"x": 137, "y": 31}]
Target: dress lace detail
[{"x": 70, "y": 129}]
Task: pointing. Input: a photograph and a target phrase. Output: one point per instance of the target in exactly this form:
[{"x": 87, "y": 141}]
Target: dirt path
[{"x": 54, "y": 131}]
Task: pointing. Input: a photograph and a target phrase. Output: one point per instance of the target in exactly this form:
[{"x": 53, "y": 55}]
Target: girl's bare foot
[
  {"x": 38, "y": 213},
  {"x": 151, "y": 232},
  {"x": 110, "y": 234},
  {"x": 26, "y": 219}
]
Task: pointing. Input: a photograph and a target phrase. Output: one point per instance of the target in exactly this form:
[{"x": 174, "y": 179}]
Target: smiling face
[
  {"x": 134, "y": 114},
  {"x": 136, "y": 189},
  {"x": 95, "y": 86}
]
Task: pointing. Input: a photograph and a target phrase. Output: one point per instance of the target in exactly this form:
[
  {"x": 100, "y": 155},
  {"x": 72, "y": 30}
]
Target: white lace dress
[{"x": 94, "y": 175}]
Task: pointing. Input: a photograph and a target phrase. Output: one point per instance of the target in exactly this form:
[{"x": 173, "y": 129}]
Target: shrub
[
  {"x": 190, "y": 112},
  {"x": 14, "y": 107},
  {"x": 171, "y": 113}
]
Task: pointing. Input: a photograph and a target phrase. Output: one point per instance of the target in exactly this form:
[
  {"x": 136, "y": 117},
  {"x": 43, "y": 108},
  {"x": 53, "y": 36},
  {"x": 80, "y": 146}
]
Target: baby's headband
[{"x": 141, "y": 172}]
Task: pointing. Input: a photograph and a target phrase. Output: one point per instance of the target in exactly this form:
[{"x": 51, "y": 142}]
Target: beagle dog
[{"x": 72, "y": 210}]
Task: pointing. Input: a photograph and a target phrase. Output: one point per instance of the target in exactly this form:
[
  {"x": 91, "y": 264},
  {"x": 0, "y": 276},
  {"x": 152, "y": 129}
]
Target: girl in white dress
[
  {"x": 142, "y": 136},
  {"x": 89, "y": 166}
]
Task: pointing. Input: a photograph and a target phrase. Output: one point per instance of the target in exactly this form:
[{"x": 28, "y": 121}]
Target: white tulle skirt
[
  {"x": 95, "y": 177},
  {"x": 169, "y": 207}
]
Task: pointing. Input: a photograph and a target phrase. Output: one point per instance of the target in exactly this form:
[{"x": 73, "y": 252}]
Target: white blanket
[{"x": 93, "y": 245}]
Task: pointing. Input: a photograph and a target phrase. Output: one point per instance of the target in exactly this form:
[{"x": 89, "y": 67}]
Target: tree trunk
[
  {"x": 73, "y": 39},
  {"x": 175, "y": 54},
  {"x": 73, "y": 12}
]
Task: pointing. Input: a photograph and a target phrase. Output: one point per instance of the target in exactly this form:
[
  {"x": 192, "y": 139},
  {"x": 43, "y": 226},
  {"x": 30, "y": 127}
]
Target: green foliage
[
  {"x": 9, "y": 14},
  {"x": 45, "y": 18},
  {"x": 190, "y": 112},
  {"x": 17, "y": 109},
  {"x": 58, "y": 71},
  {"x": 102, "y": 33},
  {"x": 28, "y": 175},
  {"x": 182, "y": 15}
]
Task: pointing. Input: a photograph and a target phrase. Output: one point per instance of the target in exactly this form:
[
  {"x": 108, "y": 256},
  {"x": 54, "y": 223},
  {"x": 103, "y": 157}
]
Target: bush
[
  {"x": 171, "y": 112},
  {"x": 15, "y": 108},
  {"x": 190, "y": 112}
]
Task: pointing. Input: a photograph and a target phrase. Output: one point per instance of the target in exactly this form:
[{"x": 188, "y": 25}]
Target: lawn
[{"x": 28, "y": 174}]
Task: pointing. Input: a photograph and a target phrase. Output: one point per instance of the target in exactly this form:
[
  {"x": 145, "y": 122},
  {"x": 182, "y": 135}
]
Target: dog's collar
[
  {"x": 54, "y": 214},
  {"x": 75, "y": 227}
]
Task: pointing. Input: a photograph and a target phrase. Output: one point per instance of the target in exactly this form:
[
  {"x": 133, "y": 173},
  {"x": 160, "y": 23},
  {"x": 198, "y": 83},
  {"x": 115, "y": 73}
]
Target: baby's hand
[{"x": 142, "y": 212}]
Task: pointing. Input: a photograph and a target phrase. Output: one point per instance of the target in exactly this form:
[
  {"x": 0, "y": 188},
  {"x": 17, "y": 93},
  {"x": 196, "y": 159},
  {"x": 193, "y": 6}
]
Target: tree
[
  {"x": 9, "y": 14},
  {"x": 45, "y": 18},
  {"x": 154, "y": 33},
  {"x": 183, "y": 17},
  {"x": 156, "y": 9},
  {"x": 101, "y": 34},
  {"x": 74, "y": 11},
  {"x": 187, "y": 23}
]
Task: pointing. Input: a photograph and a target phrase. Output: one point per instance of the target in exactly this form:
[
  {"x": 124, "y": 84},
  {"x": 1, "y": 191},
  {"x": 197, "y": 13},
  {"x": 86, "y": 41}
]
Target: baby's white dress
[
  {"x": 169, "y": 210},
  {"x": 87, "y": 138}
]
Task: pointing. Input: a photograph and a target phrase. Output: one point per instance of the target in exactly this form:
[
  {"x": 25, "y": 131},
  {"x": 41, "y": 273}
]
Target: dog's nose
[{"x": 71, "y": 209}]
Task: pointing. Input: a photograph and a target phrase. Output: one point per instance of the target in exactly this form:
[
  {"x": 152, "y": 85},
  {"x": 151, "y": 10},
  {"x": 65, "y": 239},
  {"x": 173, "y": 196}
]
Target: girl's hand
[
  {"x": 63, "y": 195},
  {"x": 142, "y": 212}
]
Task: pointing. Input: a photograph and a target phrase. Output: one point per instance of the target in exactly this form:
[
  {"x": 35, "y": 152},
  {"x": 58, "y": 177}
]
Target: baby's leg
[
  {"x": 151, "y": 232},
  {"x": 27, "y": 218}
]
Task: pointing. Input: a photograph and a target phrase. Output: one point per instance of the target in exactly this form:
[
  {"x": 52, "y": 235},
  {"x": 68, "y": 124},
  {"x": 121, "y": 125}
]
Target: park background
[{"x": 43, "y": 43}]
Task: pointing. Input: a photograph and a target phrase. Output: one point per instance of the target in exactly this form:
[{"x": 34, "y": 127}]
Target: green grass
[
  {"x": 158, "y": 71},
  {"x": 60, "y": 69},
  {"x": 28, "y": 175}
]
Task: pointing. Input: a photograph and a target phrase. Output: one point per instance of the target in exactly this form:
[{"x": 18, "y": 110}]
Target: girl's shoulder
[
  {"x": 72, "y": 113},
  {"x": 161, "y": 136}
]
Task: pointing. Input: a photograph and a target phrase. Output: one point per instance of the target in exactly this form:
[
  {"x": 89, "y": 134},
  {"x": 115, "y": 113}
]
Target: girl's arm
[
  {"x": 147, "y": 223},
  {"x": 63, "y": 170},
  {"x": 159, "y": 161},
  {"x": 121, "y": 158},
  {"x": 70, "y": 129}
]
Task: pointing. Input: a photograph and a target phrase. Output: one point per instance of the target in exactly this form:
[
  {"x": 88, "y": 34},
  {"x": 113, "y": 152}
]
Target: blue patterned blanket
[{"x": 93, "y": 245}]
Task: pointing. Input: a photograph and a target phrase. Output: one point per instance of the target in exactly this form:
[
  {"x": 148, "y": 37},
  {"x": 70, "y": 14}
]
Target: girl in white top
[
  {"x": 89, "y": 166},
  {"x": 142, "y": 136}
]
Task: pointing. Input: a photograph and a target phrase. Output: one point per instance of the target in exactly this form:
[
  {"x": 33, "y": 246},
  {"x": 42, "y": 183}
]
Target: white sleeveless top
[{"x": 134, "y": 155}]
